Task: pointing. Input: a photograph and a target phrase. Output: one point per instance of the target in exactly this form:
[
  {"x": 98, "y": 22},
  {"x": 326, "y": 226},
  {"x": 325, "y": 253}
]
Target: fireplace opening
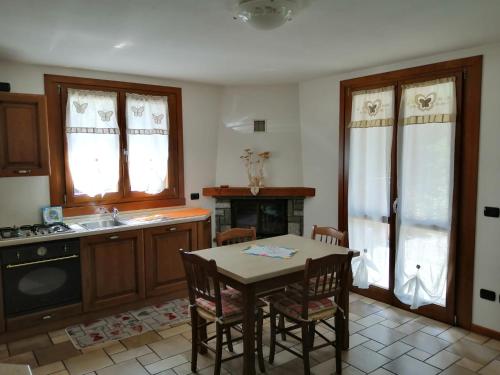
[{"x": 268, "y": 216}]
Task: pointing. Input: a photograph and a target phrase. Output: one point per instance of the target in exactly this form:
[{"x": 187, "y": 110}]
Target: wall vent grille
[{"x": 259, "y": 126}]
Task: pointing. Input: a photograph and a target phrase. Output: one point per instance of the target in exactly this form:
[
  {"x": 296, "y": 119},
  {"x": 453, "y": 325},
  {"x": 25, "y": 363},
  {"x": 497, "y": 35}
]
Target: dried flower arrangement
[{"x": 254, "y": 162}]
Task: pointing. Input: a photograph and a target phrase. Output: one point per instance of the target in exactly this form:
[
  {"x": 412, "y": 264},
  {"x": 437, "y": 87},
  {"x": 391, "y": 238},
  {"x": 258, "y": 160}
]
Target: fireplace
[
  {"x": 267, "y": 216},
  {"x": 273, "y": 216}
]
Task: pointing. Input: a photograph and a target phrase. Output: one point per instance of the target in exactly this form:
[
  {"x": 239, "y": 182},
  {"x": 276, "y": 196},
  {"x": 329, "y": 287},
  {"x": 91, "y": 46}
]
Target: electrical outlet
[
  {"x": 487, "y": 294},
  {"x": 195, "y": 196},
  {"x": 492, "y": 211}
]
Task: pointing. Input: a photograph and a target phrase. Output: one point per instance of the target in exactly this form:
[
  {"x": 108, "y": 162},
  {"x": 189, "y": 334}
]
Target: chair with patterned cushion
[
  {"x": 235, "y": 235},
  {"x": 209, "y": 304},
  {"x": 309, "y": 306}
]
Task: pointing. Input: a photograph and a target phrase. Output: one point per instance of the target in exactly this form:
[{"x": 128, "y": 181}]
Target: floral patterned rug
[{"x": 131, "y": 323}]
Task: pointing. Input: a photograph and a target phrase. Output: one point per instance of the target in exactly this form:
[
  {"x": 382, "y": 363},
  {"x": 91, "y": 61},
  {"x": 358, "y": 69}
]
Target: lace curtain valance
[{"x": 372, "y": 108}]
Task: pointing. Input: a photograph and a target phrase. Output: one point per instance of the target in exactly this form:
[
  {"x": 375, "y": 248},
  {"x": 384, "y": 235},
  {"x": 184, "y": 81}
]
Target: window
[{"x": 114, "y": 144}]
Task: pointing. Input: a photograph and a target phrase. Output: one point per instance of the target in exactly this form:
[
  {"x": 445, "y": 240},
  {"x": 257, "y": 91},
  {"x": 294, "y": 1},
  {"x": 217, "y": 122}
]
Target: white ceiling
[{"x": 198, "y": 40}]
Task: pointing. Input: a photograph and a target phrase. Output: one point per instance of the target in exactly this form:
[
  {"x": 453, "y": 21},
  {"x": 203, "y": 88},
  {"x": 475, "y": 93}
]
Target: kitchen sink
[{"x": 91, "y": 225}]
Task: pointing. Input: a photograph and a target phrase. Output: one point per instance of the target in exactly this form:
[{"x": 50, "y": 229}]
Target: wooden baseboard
[{"x": 485, "y": 331}]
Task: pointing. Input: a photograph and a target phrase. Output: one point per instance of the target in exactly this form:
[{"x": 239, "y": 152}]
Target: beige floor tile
[
  {"x": 364, "y": 359},
  {"x": 148, "y": 359},
  {"x": 475, "y": 352},
  {"x": 381, "y": 371},
  {"x": 469, "y": 364},
  {"x": 493, "y": 368},
  {"x": 60, "y": 339},
  {"x": 174, "y": 331},
  {"x": 457, "y": 370},
  {"x": 131, "y": 367},
  {"x": 478, "y": 339},
  {"x": 140, "y": 340},
  {"x": 409, "y": 327},
  {"x": 354, "y": 317},
  {"x": 4, "y": 354},
  {"x": 373, "y": 345},
  {"x": 130, "y": 354},
  {"x": 54, "y": 353},
  {"x": 88, "y": 362},
  {"x": 370, "y": 320},
  {"x": 425, "y": 342},
  {"x": 29, "y": 344},
  {"x": 49, "y": 369},
  {"x": 166, "y": 364},
  {"x": 116, "y": 347},
  {"x": 382, "y": 334},
  {"x": 356, "y": 339},
  {"x": 443, "y": 359},
  {"x": 406, "y": 365},
  {"x": 493, "y": 344},
  {"x": 397, "y": 315},
  {"x": 171, "y": 346},
  {"x": 363, "y": 309},
  {"x": 389, "y": 323},
  {"x": 27, "y": 358},
  {"x": 203, "y": 361},
  {"x": 453, "y": 334},
  {"x": 395, "y": 350},
  {"x": 64, "y": 372},
  {"x": 419, "y": 354}
]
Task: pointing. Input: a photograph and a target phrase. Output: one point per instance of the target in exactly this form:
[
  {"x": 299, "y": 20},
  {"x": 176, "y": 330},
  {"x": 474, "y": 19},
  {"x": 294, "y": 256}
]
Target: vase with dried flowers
[{"x": 254, "y": 163}]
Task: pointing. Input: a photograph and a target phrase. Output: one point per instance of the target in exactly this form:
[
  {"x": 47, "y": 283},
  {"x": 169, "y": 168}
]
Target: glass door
[{"x": 401, "y": 192}]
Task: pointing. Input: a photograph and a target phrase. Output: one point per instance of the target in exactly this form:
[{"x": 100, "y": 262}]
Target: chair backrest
[
  {"x": 202, "y": 279},
  {"x": 235, "y": 235},
  {"x": 324, "y": 278},
  {"x": 329, "y": 235}
]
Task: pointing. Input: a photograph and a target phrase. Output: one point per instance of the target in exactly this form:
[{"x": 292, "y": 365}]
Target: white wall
[
  {"x": 279, "y": 105},
  {"x": 319, "y": 113},
  {"x": 22, "y": 197}
]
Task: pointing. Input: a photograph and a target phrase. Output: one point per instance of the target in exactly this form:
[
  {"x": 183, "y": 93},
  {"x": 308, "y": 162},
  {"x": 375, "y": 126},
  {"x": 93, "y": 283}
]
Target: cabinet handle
[
  {"x": 172, "y": 229},
  {"x": 46, "y": 317},
  {"x": 24, "y": 171},
  {"x": 115, "y": 237}
]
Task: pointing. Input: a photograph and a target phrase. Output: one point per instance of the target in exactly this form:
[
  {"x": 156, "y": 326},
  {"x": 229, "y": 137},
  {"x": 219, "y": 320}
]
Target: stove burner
[{"x": 33, "y": 230}]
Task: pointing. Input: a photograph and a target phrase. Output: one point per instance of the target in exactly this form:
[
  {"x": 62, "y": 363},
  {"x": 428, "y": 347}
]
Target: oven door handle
[{"x": 10, "y": 266}]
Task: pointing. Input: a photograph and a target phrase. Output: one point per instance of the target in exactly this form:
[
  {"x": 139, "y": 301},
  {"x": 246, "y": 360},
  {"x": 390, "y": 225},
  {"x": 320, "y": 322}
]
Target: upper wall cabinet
[{"x": 23, "y": 135}]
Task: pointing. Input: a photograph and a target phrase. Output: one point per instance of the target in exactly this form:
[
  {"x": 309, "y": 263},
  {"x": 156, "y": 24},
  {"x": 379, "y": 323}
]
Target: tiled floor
[{"x": 384, "y": 340}]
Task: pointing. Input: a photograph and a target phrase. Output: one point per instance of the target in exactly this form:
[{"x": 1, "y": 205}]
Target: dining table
[{"x": 254, "y": 275}]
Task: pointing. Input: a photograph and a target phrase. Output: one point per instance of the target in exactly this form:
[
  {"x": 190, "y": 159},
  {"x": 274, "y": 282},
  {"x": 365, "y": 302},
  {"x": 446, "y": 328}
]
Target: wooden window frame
[
  {"x": 60, "y": 179},
  {"x": 468, "y": 160}
]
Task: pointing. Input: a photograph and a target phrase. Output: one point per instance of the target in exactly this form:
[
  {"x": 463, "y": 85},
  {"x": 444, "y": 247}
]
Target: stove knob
[{"x": 41, "y": 251}]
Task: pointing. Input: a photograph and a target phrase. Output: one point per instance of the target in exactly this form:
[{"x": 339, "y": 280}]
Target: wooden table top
[{"x": 248, "y": 269}]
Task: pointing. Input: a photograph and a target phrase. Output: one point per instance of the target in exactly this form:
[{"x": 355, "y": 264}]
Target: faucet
[{"x": 114, "y": 214}]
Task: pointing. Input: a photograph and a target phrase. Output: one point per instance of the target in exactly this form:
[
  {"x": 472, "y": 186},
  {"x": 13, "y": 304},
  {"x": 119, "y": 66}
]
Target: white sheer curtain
[
  {"x": 426, "y": 139},
  {"x": 371, "y": 127},
  {"x": 147, "y": 135},
  {"x": 93, "y": 142}
]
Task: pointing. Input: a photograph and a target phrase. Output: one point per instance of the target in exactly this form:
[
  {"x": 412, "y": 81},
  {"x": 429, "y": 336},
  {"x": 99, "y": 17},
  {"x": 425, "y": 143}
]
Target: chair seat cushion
[
  {"x": 232, "y": 303},
  {"x": 290, "y": 304}
]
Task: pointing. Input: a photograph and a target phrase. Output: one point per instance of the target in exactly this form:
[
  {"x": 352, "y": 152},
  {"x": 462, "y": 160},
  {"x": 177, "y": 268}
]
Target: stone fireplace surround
[{"x": 294, "y": 196}]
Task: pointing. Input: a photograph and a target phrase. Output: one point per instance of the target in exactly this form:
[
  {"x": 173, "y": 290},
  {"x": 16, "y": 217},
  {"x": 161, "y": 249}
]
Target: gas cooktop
[{"x": 36, "y": 230}]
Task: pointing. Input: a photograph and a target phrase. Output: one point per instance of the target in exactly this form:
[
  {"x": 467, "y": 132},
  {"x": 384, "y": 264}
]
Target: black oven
[{"x": 40, "y": 276}]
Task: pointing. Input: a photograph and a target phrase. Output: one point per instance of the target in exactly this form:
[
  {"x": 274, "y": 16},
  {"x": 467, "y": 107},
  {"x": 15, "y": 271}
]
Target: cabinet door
[
  {"x": 2, "y": 317},
  {"x": 23, "y": 135},
  {"x": 112, "y": 269},
  {"x": 204, "y": 234},
  {"x": 164, "y": 269}
]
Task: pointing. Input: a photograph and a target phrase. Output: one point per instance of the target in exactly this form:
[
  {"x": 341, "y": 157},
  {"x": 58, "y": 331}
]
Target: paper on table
[{"x": 270, "y": 251}]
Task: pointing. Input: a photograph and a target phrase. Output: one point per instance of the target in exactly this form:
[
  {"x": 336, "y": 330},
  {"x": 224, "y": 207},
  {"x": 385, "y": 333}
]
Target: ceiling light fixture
[{"x": 266, "y": 14}]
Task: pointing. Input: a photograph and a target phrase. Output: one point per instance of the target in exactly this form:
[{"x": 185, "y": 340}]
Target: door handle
[
  {"x": 395, "y": 206},
  {"x": 40, "y": 261}
]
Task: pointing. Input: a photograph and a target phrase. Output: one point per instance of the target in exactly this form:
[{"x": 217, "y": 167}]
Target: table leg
[
  {"x": 249, "y": 330},
  {"x": 344, "y": 304}
]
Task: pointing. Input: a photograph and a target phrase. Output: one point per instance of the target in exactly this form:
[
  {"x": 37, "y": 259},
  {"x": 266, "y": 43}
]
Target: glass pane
[
  {"x": 425, "y": 188},
  {"x": 147, "y": 139},
  {"x": 42, "y": 281}
]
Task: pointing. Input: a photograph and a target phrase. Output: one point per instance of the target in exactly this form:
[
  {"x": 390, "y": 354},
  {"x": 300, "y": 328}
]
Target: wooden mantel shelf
[{"x": 224, "y": 192}]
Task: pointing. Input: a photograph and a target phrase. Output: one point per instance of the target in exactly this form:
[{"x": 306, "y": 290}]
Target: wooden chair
[
  {"x": 329, "y": 235},
  {"x": 211, "y": 305},
  {"x": 310, "y": 306},
  {"x": 235, "y": 235}
]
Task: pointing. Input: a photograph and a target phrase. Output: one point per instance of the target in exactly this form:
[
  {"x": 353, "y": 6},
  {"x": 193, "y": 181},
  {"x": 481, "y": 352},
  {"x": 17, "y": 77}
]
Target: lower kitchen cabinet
[
  {"x": 205, "y": 234},
  {"x": 164, "y": 269},
  {"x": 112, "y": 269},
  {"x": 2, "y": 316}
]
